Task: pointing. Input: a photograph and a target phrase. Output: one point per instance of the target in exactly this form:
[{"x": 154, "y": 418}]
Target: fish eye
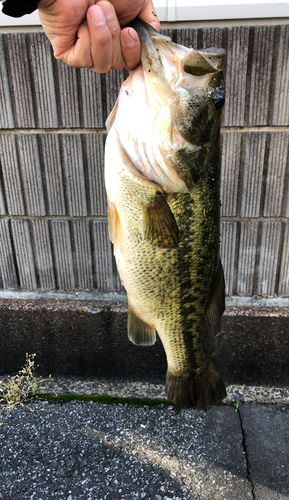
[{"x": 218, "y": 100}]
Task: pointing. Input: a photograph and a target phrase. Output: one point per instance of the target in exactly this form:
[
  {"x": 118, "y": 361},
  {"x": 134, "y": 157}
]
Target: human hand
[{"x": 92, "y": 34}]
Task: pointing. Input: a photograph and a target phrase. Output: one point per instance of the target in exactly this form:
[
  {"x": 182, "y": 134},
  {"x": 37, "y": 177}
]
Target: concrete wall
[{"x": 53, "y": 221}]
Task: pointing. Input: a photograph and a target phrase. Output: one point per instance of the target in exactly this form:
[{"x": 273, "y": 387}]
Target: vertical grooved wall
[{"x": 53, "y": 216}]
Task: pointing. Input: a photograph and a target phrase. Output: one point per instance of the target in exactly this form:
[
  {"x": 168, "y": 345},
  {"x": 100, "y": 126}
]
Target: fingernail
[
  {"x": 132, "y": 40},
  {"x": 108, "y": 11},
  {"x": 97, "y": 16}
]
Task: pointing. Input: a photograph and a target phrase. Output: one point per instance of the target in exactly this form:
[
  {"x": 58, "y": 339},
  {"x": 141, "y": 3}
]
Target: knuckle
[
  {"x": 118, "y": 65},
  {"x": 101, "y": 36},
  {"x": 104, "y": 69},
  {"x": 86, "y": 61},
  {"x": 101, "y": 66},
  {"x": 115, "y": 33}
]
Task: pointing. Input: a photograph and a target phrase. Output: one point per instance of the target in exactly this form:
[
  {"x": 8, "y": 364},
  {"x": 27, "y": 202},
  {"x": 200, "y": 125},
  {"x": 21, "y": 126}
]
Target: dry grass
[{"x": 19, "y": 387}]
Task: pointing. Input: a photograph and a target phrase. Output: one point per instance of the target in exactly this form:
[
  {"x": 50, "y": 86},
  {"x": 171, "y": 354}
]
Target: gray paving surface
[
  {"x": 99, "y": 451},
  {"x": 266, "y": 433}
]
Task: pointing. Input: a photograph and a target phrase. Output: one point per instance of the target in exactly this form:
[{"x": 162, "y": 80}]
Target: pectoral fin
[
  {"x": 159, "y": 223},
  {"x": 217, "y": 303},
  {"x": 139, "y": 332}
]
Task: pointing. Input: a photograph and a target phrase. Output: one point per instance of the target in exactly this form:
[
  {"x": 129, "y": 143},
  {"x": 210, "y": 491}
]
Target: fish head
[
  {"x": 167, "y": 116},
  {"x": 192, "y": 80}
]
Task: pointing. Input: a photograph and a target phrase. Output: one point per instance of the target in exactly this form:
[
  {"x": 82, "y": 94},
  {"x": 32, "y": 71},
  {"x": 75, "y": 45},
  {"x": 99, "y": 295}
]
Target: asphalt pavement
[{"x": 94, "y": 451}]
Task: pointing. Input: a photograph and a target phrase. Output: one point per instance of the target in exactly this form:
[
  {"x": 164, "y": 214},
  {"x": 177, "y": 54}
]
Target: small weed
[
  {"x": 237, "y": 406},
  {"x": 20, "y": 387}
]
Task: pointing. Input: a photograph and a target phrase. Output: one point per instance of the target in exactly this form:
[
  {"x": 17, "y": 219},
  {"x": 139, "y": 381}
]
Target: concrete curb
[{"x": 85, "y": 335}]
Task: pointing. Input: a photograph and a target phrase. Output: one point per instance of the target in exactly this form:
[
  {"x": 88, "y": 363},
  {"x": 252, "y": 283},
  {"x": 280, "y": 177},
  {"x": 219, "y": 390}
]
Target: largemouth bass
[{"x": 162, "y": 174}]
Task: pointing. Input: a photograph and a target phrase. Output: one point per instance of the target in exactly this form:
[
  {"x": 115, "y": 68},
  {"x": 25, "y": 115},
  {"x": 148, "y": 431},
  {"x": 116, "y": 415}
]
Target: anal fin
[
  {"x": 217, "y": 303},
  {"x": 160, "y": 225},
  {"x": 139, "y": 332}
]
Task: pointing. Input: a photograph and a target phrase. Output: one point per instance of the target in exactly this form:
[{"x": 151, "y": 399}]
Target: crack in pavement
[{"x": 246, "y": 452}]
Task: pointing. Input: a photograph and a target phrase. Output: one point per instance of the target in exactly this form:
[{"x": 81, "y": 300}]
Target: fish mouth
[
  {"x": 151, "y": 56},
  {"x": 147, "y": 35},
  {"x": 156, "y": 47}
]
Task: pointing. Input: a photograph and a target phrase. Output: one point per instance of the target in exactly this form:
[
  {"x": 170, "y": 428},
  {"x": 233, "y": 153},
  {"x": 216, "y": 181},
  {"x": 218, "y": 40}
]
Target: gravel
[
  {"x": 95, "y": 451},
  {"x": 125, "y": 388}
]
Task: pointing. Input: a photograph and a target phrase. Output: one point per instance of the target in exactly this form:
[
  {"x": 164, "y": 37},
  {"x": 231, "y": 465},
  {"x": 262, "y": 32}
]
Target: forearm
[{"x": 17, "y": 8}]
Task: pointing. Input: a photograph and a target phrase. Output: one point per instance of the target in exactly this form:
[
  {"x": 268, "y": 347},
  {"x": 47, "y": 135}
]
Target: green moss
[{"x": 100, "y": 398}]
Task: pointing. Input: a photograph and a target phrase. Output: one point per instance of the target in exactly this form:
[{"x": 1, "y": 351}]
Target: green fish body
[{"x": 162, "y": 177}]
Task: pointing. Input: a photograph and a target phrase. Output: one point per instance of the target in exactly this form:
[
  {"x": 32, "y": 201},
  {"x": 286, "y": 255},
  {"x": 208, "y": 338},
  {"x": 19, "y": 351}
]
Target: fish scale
[
  {"x": 166, "y": 233},
  {"x": 198, "y": 275}
]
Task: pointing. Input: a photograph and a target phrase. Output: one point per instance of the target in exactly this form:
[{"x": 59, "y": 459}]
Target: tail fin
[{"x": 200, "y": 390}]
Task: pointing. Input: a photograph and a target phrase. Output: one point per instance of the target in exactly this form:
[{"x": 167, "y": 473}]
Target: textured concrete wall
[{"x": 53, "y": 224}]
